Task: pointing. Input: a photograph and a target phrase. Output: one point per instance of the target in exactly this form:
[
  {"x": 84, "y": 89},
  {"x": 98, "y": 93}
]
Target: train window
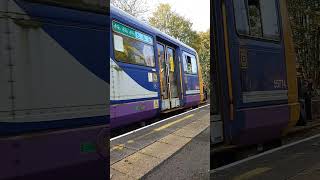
[
  {"x": 190, "y": 64},
  {"x": 269, "y": 19},
  {"x": 132, "y": 51},
  {"x": 194, "y": 65},
  {"x": 255, "y": 18},
  {"x": 241, "y": 17}
]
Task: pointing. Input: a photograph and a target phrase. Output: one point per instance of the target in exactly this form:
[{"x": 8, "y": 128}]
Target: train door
[
  {"x": 217, "y": 76},
  {"x": 168, "y": 77}
]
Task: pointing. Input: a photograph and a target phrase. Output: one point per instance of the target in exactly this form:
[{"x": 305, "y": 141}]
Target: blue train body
[
  {"x": 53, "y": 94},
  {"x": 255, "y": 69},
  {"x": 148, "y": 71}
]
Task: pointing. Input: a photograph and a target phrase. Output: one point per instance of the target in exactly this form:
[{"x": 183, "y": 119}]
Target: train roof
[{"x": 118, "y": 12}]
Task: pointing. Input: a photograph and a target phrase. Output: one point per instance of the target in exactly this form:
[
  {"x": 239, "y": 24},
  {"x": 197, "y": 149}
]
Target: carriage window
[
  {"x": 241, "y": 16},
  {"x": 194, "y": 65},
  {"x": 190, "y": 64},
  {"x": 269, "y": 19},
  {"x": 255, "y": 18},
  {"x": 133, "y": 51}
]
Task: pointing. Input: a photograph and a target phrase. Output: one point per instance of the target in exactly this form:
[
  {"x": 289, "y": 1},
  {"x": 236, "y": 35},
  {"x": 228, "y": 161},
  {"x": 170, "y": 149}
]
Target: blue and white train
[
  {"x": 54, "y": 89},
  {"x": 150, "y": 72}
]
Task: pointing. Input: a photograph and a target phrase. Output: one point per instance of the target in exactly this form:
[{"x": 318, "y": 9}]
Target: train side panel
[
  {"x": 134, "y": 88},
  {"x": 257, "y": 72},
  {"x": 139, "y": 91},
  {"x": 191, "y": 74},
  {"x": 58, "y": 91}
]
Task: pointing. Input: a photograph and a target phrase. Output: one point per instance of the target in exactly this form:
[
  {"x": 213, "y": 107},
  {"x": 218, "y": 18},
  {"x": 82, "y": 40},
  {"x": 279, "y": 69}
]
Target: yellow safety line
[
  {"x": 172, "y": 123},
  {"x": 120, "y": 147}
]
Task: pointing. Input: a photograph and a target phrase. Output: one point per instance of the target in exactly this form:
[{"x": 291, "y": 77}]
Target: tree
[
  {"x": 305, "y": 22},
  {"x": 136, "y": 8},
  {"x": 180, "y": 28},
  {"x": 173, "y": 24},
  {"x": 203, "y": 49}
]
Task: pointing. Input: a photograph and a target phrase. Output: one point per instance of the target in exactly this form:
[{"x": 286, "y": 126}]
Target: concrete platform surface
[
  {"x": 191, "y": 162},
  {"x": 296, "y": 161},
  {"x": 134, "y": 155}
]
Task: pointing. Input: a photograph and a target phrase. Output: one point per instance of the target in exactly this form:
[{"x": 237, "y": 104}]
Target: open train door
[{"x": 169, "y": 74}]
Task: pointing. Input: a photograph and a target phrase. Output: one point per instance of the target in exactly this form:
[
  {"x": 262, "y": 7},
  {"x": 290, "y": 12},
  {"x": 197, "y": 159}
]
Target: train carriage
[
  {"x": 53, "y": 99},
  {"x": 253, "y": 71},
  {"x": 150, "y": 72}
]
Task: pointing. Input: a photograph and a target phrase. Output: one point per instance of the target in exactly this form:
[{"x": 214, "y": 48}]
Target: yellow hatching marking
[
  {"x": 172, "y": 123},
  {"x": 252, "y": 173},
  {"x": 118, "y": 147},
  {"x": 130, "y": 141}
]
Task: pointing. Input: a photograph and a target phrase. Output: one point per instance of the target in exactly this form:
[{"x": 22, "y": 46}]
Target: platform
[
  {"x": 136, "y": 154},
  {"x": 296, "y": 161}
]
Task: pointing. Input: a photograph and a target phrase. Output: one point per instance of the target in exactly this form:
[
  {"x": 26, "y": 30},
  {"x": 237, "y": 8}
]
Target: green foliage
[
  {"x": 203, "y": 50},
  {"x": 173, "y": 24},
  {"x": 305, "y": 22},
  {"x": 136, "y": 8},
  {"x": 180, "y": 28}
]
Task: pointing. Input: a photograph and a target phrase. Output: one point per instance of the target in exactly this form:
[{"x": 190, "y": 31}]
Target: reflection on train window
[
  {"x": 190, "y": 64},
  {"x": 257, "y": 18},
  {"x": 241, "y": 17},
  {"x": 194, "y": 65},
  {"x": 133, "y": 51},
  {"x": 269, "y": 19}
]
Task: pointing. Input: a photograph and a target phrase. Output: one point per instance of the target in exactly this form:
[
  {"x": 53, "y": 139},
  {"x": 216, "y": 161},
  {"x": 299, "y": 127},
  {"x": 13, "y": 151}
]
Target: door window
[
  {"x": 257, "y": 18},
  {"x": 172, "y": 74},
  {"x": 163, "y": 71}
]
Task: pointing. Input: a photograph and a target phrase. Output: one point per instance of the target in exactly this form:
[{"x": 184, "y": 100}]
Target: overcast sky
[{"x": 197, "y": 11}]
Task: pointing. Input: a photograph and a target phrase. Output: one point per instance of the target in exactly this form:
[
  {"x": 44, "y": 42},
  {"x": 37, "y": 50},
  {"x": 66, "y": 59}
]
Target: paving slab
[
  {"x": 136, "y": 165},
  {"x": 296, "y": 161},
  {"x": 144, "y": 151}
]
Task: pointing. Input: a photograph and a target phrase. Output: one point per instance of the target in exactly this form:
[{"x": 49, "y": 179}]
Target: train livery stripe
[
  {"x": 226, "y": 41},
  {"x": 16, "y": 128},
  {"x": 123, "y": 87},
  {"x": 200, "y": 80},
  {"x": 261, "y": 96},
  {"x": 291, "y": 66}
]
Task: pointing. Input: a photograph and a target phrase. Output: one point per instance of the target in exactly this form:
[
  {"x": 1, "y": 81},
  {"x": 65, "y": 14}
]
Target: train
[
  {"x": 54, "y": 80},
  {"x": 151, "y": 73},
  {"x": 253, "y": 59}
]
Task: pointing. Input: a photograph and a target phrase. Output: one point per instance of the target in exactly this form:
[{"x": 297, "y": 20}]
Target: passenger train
[
  {"x": 150, "y": 72},
  {"x": 54, "y": 79},
  {"x": 254, "y": 72}
]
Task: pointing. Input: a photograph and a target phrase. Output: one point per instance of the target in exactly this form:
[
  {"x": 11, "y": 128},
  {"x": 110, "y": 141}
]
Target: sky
[{"x": 197, "y": 11}]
